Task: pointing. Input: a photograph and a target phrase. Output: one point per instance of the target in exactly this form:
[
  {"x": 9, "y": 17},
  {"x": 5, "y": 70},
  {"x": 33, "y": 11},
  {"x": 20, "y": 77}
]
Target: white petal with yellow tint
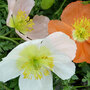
[
  {"x": 63, "y": 67},
  {"x": 46, "y": 83},
  {"x": 24, "y": 5},
  {"x": 40, "y": 29},
  {"x": 60, "y": 42},
  {"x": 20, "y": 47},
  {"x": 8, "y": 69}
]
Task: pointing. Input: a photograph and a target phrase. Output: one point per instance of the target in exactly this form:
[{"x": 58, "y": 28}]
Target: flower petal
[
  {"x": 82, "y": 53},
  {"x": 40, "y": 28},
  {"x": 86, "y": 47},
  {"x": 8, "y": 69},
  {"x": 80, "y": 56},
  {"x": 88, "y": 40},
  {"x": 57, "y": 25},
  {"x": 11, "y": 4},
  {"x": 24, "y": 37},
  {"x": 24, "y": 6},
  {"x": 18, "y": 49},
  {"x": 75, "y": 10},
  {"x": 31, "y": 84},
  {"x": 63, "y": 66},
  {"x": 62, "y": 43}
]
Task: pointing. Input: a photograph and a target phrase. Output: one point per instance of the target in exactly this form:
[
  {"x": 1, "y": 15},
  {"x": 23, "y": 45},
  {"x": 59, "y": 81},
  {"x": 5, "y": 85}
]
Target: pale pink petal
[
  {"x": 40, "y": 27},
  {"x": 11, "y": 4},
  {"x": 24, "y": 37},
  {"x": 24, "y": 5}
]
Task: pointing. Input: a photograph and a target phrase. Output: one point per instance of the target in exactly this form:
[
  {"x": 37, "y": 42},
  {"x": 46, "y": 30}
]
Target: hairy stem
[
  {"x": 59, "y": 10},
  {"x": 3, "y": 37}
]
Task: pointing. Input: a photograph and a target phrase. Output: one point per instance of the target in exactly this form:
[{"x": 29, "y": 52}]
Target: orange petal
[
  {"x": 86, "y": 47},
  {"x": 82, "y": 53},
  {"x": 57, "y": 25},
  {"x": 80, "y": 57},
  {"x": 74, "y": 11}
]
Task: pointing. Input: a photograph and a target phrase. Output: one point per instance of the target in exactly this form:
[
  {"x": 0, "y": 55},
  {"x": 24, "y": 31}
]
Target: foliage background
[{"x": 9, "y": 39}]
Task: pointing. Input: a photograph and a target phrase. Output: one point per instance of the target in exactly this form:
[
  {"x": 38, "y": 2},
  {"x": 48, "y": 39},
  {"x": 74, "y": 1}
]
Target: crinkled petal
[
  {"x": 11, "y": 4},
  {"x": 24, "y": 5},
  {"x": 83, "y": 52},
  {"x": 86, "y": 47},
  {"x": 80, "y": 56},
  {"x": 59, "y": 26},
  {"x": 62, "y": 43},
  {"x": 74, "y": 11},
  {"x": 63, "y": 67},
  {"x": 40, "y": 29},
  {"x": 8, "y": 69},
  {"x": 45, "y": 83}
]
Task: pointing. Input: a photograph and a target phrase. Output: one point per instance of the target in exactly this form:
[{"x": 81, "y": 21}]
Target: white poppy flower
[
  {"x": 26, "y": 28},
  {"x": 34, "y": 60}
]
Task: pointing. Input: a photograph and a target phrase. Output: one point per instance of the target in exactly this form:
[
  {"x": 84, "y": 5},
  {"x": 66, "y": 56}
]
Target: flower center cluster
[
  {"x": 82, "y": 29},
  {"x": 21, "y": 22},
  {"x": 35, "y": 61}
]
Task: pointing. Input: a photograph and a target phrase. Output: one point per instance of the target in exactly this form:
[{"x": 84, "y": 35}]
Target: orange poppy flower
[{"x": 75, "y": 22}]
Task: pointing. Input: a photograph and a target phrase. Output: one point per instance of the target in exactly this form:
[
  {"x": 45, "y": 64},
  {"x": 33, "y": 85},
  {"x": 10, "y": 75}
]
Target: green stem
[
  {"x": 80, "y": 86},
  {"x": 7, "y": 33},
  {"x": 58, "y": 11},
  {"x": 17, "y": 38},
  {"x": 3, "y": 37}
]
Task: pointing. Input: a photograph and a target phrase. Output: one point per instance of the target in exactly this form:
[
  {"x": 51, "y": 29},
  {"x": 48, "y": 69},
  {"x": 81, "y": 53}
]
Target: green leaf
[
  {"x": 86, "y": 2},
  {"x": 74, "y": 77},
  {"x": 13, "y": 84},
  {"x": 68, "y": 88},
  {"x": 87, "y": 78},
  {"x": 46, "y": 4}
]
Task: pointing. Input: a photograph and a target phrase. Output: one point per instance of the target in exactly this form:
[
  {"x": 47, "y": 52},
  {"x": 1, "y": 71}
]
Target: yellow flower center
[
  {"x": 82, "y": 29},
  {"x": 34, "y": 61},
  {"x": 21, "y": 22}
]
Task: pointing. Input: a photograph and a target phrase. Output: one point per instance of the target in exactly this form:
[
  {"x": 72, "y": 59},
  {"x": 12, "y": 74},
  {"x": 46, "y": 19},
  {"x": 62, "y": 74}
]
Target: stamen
[
  {"x": 82, "y": 29},
  {"x": 35, "y": 61},
  {"x": 22, "y": 22}
]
